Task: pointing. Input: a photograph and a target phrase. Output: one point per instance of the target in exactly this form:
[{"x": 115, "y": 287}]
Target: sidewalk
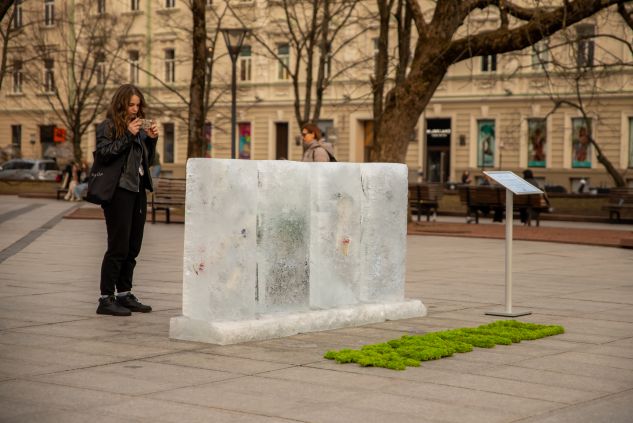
[{"x": 60, "y": 362}]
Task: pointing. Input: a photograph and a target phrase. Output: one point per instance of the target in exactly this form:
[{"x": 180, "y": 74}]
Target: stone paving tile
[
  {"x": 242, "y": 366},
  {"x": 548, "y": 377},
  {"x": 134, "y": 377},
  {"x": 613, "y": 409},
  {"x": 257, "y": 395},
  {"x": 569, "y": 364},
  {"x": 150, "y": 410},
  {"x": 415, "y": 390}
]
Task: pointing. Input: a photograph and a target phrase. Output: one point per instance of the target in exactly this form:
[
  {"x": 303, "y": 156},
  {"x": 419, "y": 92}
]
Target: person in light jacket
[
  {"x": 315, "y": 148},
  {"x": 120, "y": 138}
]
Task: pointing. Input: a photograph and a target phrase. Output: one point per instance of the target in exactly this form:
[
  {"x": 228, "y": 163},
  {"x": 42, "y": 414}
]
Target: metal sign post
[{"x": 513, "y": 185}]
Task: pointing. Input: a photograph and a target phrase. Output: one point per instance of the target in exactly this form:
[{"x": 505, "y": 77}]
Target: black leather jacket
[{"x": 110, "y": 148}]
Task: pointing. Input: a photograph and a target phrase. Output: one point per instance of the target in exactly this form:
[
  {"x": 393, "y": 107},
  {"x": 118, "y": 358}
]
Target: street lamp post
[{"x": 233, "y": 37}]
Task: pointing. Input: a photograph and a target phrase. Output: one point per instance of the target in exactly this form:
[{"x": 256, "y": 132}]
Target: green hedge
[{"x": 410, "y": 350}]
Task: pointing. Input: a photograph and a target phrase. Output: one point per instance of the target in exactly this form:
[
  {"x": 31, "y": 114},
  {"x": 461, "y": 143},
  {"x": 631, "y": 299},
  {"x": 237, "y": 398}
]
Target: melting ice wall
[{"x": 274, "y": 248}]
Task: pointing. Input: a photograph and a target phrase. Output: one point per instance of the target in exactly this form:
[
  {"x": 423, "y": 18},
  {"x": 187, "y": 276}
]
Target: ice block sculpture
[{"x": 275, "y": 248}]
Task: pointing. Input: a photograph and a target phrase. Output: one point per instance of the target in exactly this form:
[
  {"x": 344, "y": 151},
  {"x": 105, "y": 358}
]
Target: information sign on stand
[{"x": 514, "y": 185}]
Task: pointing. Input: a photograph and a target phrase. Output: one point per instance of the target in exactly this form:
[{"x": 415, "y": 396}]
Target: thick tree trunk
[
  {"x": 403, "y": 106},
  {"x": 196, "y": 141}
]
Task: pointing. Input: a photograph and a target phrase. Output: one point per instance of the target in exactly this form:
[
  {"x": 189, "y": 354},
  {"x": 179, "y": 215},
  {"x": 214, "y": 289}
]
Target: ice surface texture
[{"x": 274, "y": 248}]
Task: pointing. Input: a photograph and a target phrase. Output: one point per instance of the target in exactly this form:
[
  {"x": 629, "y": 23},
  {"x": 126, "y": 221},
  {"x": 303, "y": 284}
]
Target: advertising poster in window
[
  {"x": 485, "y": 143},
  {"x": 581, "y": 148},
  {"x": 208, "y": 126},
  {"x": 631, "y": 142},
  {"x": 244, "y": 130},
  {"x": 537, "y": 137}
]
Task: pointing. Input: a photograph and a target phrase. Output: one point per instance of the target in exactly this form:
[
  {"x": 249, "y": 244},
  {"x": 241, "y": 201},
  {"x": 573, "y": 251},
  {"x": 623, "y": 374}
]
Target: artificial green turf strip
[{"x": 410, "y": 350}]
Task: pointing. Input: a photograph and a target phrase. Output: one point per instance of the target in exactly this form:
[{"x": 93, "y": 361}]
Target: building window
[
  {"x": 17, "y": 15},
  {"x": 170, "y": 65},
  {"x": 170, "y": 4},
  {"x": 49, "y": 12},
  {"x": 537, "y": 142},
  {"x": 101, "y": 7},
  {"x": 631, "y": 142},
  {"x": 134, "y": 5},
  {"x": 283, "y": 64},
  {"x": 133, "y": 59},
  {"x": 245, "y": 63},
  {"x": 581, "y": 145},
  {"x": 16, "y": 140},
  {"x": 17, "y": 76},
  {"x": 100, "y": 68},
  {"x": 168, "y": 142},
  {"x": 486, "y": 137},
  {"x": 489, "y": 63},
  {"x": 540, "y": 55},
  {"x": 585, "y": 45},
  {"x": 49, "y": 75},
  {"x": 244, "y": 131}
]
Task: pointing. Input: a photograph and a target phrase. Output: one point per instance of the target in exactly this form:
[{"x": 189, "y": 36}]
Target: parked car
[{"x": 29, "y": 169}]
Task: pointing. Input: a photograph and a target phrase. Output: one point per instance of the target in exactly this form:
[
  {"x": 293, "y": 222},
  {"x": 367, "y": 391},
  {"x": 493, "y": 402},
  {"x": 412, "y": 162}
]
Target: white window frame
[
  {"x": 245, "y": 64},
  {"x": 282, "y": 72},
  {"x": 17, "y": 77},
  {"x": 488, "y": 63},
  {"x": 134, "y": 66},
  {"x": 170, "y": 65},
  {"x": 586, "y": 47},
  {"x": 100, "y": 68},
  {"x": 101, "y": 7},
  {"x": 170, "y": 4},
  {"x": 540, "y": 55},
  {"x": 49, "y": 12},
  {"x": 49, "y": 76},
  {"x": 17, "y": 22},
  {"x": 134, "y": 5}
]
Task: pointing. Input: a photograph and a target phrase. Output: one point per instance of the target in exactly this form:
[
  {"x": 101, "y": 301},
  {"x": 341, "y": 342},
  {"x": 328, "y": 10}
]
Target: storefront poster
[
  {"x": 630, "y": 142},
  {"x": 581, "y": 148},
  {"x": 208, "y": 128},
  {"x": 537, "y": 136},
  {"x": 485, "y": 143},
  {"x": 244, "y": 130}
]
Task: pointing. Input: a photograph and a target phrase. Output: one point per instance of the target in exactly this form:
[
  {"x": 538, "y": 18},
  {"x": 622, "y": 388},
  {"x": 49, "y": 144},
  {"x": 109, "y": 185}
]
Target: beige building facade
[{"x": 488, "y": 113}]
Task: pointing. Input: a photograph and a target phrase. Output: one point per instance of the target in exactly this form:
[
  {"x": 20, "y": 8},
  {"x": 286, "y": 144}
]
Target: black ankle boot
[
  {"x": 110, "y": 307},
  {"x": 130, "y": 302}
]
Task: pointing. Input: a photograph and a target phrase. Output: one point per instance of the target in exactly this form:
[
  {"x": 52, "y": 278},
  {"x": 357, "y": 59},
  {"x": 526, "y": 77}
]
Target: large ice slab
[{"x": 274, "y": 248}]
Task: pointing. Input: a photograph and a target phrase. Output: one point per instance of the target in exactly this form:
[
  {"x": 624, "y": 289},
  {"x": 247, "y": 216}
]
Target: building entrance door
[
  {"x": 281, "y": 140},
  {"x": 438, "y": 150}
]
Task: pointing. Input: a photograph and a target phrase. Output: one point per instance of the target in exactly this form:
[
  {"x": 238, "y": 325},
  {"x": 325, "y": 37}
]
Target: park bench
[
  {"x": 620, "y": 199},
  {"x": 169, "y": 193},
  {"x": 485, "y": 198},
  {"x": 424, "y": 198}
]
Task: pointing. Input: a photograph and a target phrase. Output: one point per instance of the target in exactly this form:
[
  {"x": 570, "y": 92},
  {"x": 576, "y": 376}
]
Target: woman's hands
[
  {"x": 152, "y": 131},
  {"x": 134, "y": 126}
]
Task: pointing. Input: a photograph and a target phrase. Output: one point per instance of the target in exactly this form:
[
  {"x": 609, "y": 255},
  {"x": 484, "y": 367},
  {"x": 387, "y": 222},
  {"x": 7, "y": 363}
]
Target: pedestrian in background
[
  {"x": 315, "y": 148},
  {"x": 124, "y": 152}
]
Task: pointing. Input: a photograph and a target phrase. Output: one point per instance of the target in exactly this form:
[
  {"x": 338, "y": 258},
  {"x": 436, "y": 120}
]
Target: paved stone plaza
[{"x": 61, "y": 362}]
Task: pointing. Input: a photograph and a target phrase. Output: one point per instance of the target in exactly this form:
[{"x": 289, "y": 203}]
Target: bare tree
[
  {"x": 442, "y": 42},
  {"x": 577, "y": 68},
  {"x": 86, "y": 59},
  {"x": 316, "y": 32}
]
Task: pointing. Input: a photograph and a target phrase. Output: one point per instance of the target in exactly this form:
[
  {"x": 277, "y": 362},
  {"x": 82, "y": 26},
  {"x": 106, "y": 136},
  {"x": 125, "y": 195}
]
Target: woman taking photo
[{"x": 118, "y": 180}]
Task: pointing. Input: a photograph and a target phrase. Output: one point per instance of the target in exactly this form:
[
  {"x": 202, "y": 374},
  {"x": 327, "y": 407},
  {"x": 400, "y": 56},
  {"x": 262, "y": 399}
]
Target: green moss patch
[{"x": 410, "y": 350}]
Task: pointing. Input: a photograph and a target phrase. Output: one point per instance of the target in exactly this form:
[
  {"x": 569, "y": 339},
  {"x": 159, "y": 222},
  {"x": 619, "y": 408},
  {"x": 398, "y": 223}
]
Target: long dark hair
[{"x": 117, "y": 112}]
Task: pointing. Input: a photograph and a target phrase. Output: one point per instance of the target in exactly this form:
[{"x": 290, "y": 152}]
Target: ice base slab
[{"x": 276, "y": 325}]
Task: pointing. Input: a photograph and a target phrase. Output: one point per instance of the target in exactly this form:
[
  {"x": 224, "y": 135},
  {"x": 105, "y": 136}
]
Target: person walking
[
  {"x": 128, "y": 150},
  {"x": 315, "y": 148}
]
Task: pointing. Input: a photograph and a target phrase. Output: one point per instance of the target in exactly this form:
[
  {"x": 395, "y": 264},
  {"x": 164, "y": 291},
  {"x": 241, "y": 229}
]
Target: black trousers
[{"x": 125, "y": 221}]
